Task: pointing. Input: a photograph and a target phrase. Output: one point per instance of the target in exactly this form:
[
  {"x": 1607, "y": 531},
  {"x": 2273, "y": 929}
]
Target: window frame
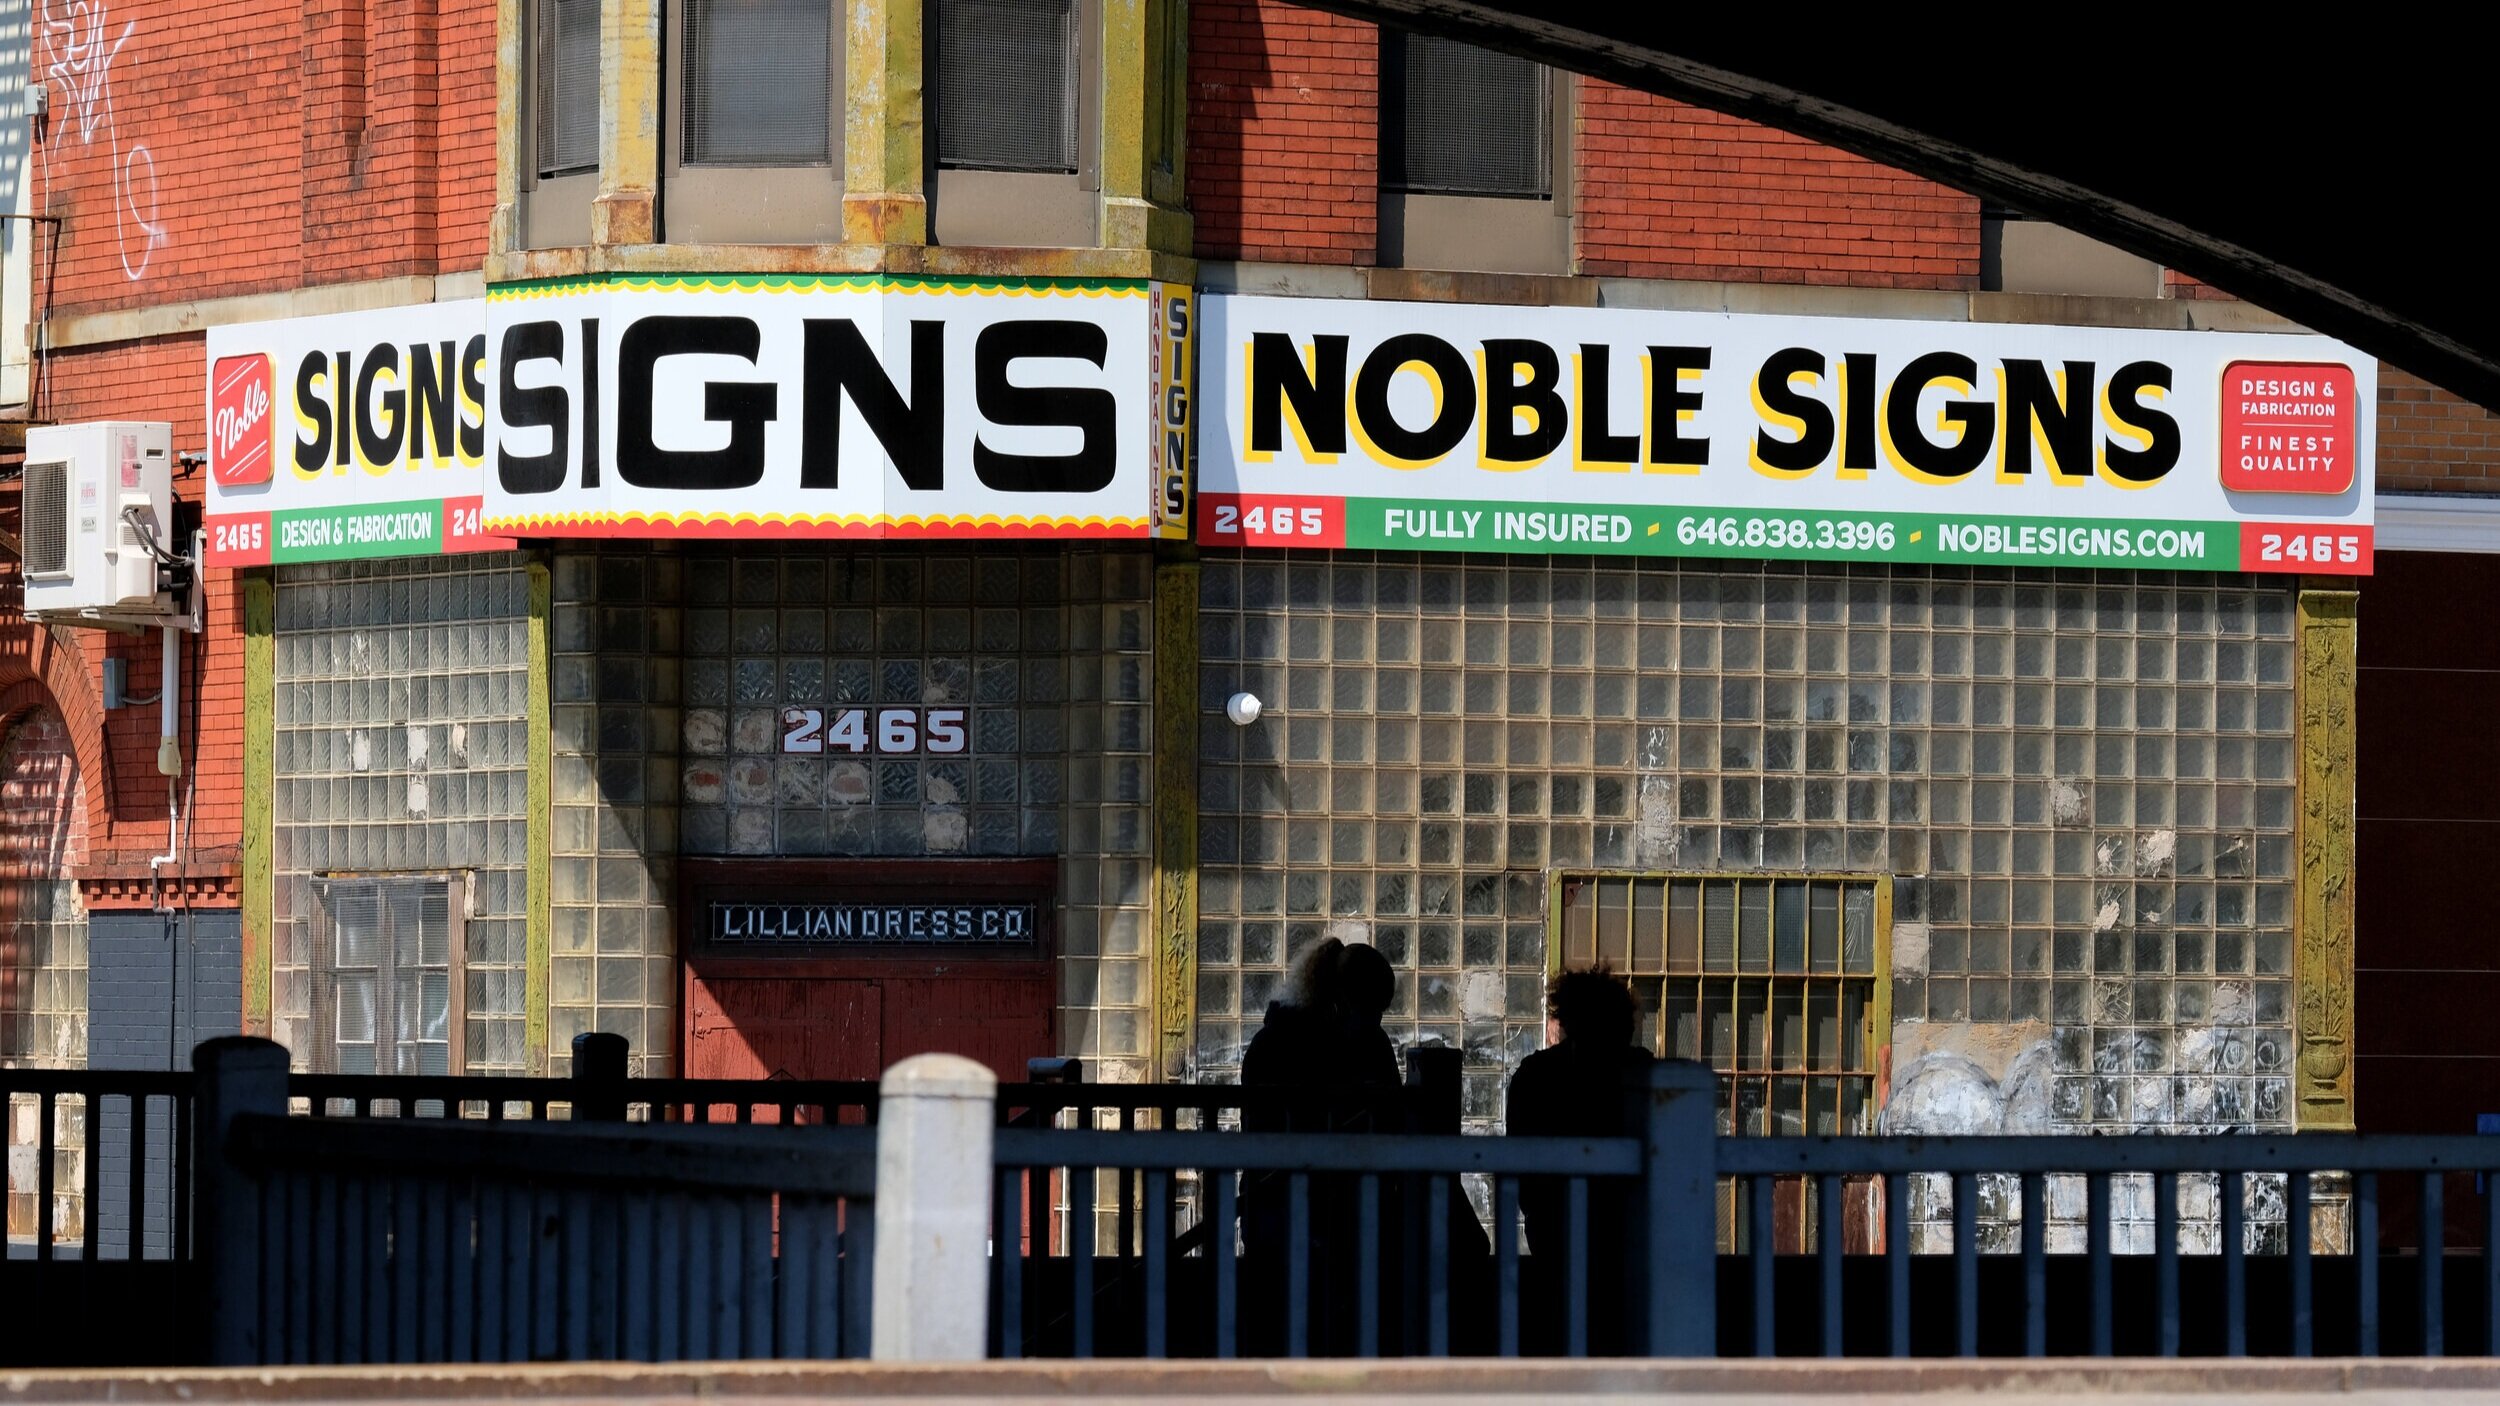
[
  {"x": 323, "y": 971},
  {"x": 750, "y": 202},
  {"x": 984, "y": 208},
  {"x": 555, "y": 209},
  {"x": 1479, "y": 233},
  {"x": 1878, "y": 977}
]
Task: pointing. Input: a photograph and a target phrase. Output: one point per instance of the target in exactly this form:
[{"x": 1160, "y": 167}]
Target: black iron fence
[
  {"x": 390, "y": 1240},
  {"x": 418, "y": 1220}
]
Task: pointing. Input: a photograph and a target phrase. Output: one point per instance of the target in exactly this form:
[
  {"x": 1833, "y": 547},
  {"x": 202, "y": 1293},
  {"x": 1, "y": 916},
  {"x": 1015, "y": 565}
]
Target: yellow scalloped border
[{"x": 809, "y": 283}]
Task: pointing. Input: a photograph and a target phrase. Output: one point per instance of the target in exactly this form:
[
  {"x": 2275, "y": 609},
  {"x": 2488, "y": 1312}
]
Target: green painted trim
[
  {"x": 814, "y": 282},
  {"x": 540, "y": 862},
  {"x": 1175, "y": 946},
  {"x": 260, "y": 715}
]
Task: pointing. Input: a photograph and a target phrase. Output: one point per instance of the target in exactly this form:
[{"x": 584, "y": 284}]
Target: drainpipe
[{"x": 169, "y": 763}]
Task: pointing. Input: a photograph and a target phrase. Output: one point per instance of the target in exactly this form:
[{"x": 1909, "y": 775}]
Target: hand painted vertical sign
[{"x": 360, "y": 434}]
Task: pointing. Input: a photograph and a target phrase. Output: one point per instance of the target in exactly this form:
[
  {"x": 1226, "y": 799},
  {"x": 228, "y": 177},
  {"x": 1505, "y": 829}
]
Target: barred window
[
  {"x": 1459, "y": 120},
  {"x": 566, "y": 57},
  {"x": 758, "y": 82},
  {"x": 1006, "y": 84},
  {"x": 1771, "y": 981},
  {"x": 387, "y": 991}
]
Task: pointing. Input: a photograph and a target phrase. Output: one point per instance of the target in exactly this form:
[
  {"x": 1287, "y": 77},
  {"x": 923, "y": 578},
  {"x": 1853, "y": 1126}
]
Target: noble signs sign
[
  {"x": 359, "y": 434},
  {"x": 1614, "y": 431},
  {"x": 754, "y": 406}
]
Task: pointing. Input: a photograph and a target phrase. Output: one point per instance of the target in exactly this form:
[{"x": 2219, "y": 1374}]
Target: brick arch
[
  {"x": 43, "y": 824},
  {"x": 54, "y": 670}
]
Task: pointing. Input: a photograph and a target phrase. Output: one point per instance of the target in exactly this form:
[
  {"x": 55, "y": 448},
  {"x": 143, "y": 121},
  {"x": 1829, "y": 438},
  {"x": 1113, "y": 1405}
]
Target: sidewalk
[{"x": 1474, "y": 1383}]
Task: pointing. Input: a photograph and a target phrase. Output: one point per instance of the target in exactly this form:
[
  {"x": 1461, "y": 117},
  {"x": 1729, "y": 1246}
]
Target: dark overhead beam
[{"x": 2325, "y": 166}]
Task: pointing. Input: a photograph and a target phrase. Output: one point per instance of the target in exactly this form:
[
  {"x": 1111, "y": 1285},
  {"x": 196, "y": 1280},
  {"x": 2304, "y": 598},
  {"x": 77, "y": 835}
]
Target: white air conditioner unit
[{"x": 95, "y": 497}]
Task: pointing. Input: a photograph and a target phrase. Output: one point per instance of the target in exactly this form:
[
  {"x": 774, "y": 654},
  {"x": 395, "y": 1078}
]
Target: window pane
[
  {"x": 1007, "y": 84},
  {"x": 758, "y": 82},
  {"x": 352, "y": 1009},
  {"x": 1788, "y": 927},
  {"x": 1718, "y": 927},
  {"x": 568, "y": 87},
  {"x": 1459, "y": 120},
  {"x": 356, "y": 919},
  {"x": 1826, "y": 924}
]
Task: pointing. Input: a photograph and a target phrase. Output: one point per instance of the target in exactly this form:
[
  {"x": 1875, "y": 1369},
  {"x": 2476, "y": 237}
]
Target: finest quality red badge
[
  {"x": 2288, "y": 427},
  {"x": 240, "y": 432}
]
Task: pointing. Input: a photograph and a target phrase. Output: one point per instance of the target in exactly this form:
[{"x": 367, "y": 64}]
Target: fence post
[
  {"x": 1679, "y": 1292},
  {"x": 236, "y": 1075},
  {"x": 934, "y": 1114},
  {"x": 599, "y": 1077}
]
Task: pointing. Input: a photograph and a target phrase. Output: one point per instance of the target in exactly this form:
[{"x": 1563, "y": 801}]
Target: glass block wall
[
  {"x": 43, "y": 968},
  {"x": 616, "y": 626},
  {"x": 2083, "y": 784},
  {"x": 402, "y": 746},
  {"x": 1049, "y": 649}
]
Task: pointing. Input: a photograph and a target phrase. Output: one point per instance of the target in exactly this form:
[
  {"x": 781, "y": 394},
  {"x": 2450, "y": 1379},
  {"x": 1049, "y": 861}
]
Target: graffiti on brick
[{"x": 79, "y": 49}]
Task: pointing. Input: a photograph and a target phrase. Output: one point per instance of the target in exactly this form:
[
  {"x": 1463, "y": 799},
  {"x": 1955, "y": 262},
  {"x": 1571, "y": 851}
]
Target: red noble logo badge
[
  {"x": 2288, "y": 427},
  {"x": 240, "y": 433}
]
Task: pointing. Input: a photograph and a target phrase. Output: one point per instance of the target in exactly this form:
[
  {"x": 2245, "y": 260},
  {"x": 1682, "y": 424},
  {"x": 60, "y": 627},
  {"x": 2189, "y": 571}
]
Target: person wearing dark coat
[
  {"x": 1325, "y": 1042},
  {"x": 1578, "y": 1087}
]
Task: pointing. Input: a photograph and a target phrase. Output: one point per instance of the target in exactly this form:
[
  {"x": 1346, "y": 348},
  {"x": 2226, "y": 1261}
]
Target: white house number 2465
[{"x": 891, "y": 731}]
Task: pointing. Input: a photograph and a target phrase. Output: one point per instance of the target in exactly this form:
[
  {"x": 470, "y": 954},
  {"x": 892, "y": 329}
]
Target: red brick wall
[
  {"x": 2431, "y": 442},
  {"x": 2175, "y": 284},
  {"x": 216, "y": 147},
  {"x": 1284, "y": 131},
  {"x": 156, "y": 379},
  {"x": 1668, "y": 190}
]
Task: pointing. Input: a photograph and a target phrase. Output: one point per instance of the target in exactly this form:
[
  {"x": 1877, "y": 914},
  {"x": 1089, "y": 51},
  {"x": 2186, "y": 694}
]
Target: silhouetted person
[
  {"x": 1325, "y": 1042},
  {"x": 1578, "y": 1087}
]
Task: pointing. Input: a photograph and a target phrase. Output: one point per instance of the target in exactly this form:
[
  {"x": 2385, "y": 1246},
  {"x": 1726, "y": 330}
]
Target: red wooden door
[
  {"x": 830, "y": 1024},
  {"x": 794, "y": 1027},
  {"x": 836, "y": 969}
]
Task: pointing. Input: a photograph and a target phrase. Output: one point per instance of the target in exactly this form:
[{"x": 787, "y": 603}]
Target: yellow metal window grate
[{"x": 1774, "y": 981}]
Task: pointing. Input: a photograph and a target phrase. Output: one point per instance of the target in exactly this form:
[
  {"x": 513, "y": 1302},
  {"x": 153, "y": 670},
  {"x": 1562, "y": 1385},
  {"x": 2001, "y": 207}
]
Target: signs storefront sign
[
  {"x": 1437, "y": 427},
  {"x": 359, "y": 434},
  {"x": 844, "y": 407}
]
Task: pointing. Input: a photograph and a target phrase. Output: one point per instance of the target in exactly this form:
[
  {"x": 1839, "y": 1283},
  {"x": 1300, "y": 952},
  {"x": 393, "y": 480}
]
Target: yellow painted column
[
  {"x": 627, "y": 208},
  {"x": 884, "y": 198},
  {"x": 260, "y": 817},
  {"x": 503, "y": 228},
  {"x": 539, "y": 865},
  {"x": 1175, "y": 941},
  {"x": 1145, "y": 121},
  {"x": 2329, "y": 676}
]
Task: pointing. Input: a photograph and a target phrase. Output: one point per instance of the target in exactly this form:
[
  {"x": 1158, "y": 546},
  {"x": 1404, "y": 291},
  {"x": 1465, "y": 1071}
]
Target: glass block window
[
  {"x": 566, "y": 60},
  {"x": 1459, "y": 120},
  {"x": 402, "y": 749},
  {"x": 2081, "y": 783},
  {"x": 43, "y": 967},
  {"x": 1772, "y": 982},
  {"x": 1007, "y": 81},
  {"x": 43, "y": 931},
  {"x": 1047, "y": 653},
  {"x": 758, "y": 82},
  {"x": 386, "y": 979}
]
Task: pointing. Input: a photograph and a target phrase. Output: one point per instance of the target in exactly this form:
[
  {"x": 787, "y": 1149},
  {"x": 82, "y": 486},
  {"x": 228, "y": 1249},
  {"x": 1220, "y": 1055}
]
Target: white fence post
[{"x": 934, "y": 1114}]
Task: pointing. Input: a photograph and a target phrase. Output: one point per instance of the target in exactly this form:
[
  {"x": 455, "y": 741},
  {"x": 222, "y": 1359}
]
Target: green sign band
[{"x": 1792, "y": 535}]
